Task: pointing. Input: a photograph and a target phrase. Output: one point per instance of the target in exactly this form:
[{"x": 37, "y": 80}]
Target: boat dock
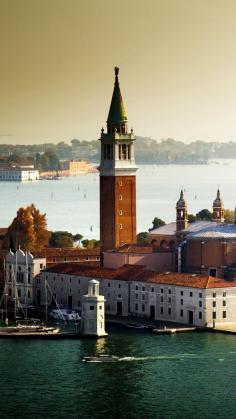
[{"x": 172, "y": 330}]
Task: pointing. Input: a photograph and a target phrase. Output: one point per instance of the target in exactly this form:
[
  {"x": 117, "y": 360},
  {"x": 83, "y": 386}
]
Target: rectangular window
[
  {"x": 213, "y": 303},
  {"x": 169, "y": 291},
  {"x": 108, "y": 307},
  {"x": 161, "y": 310},
  {"x": 143, "y": 307},
  {"x": 143, "y": 297},
  {"x": 181, "y": 312},
  {"x": 214, "y": 295},
  {"x": 162, "y": 299},
  {"x": 224, "y": 303},
  {"x": 91, "y": 307},
  {"x": 190, "y": 294},
  {"x": 119, "y": 286},
  {"x": 121, "y": 226},
  {"x": 224, "y": 293},
  {"x": 152, "y": 289},
  {"x": 181, "y": 302},
  {"x": 200, "y": 315},
  {"x": 120, "y": 197},
  {"x": 162, "y": 290},
  {"x": 120, "y": 212},
  {"x": 181, "y": 293},
  {"x": 169, "y": 311},
  {"x": 120, "y": 183},
  {"x": 214, "y": 315},
  {"x": 143, "y": 288},
  {"x": 200, "y": 303},
  {"x": 169, "y": 300},
  {"x": 136, "y": 287},
  {"x": 136, "y": 307},
  {"x": 200, "y": 294},
  {"x": 224, "y": 314},
  {"x": 108, "y": 284}
]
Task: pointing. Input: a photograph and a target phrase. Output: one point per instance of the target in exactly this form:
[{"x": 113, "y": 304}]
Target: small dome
[
  {"x": 218, "y": 201},
  {"x": 181, "y": 202},
  {"x": 29, "y": 256},
  {"x": 93, "y": 281},
  {"x": 10, "y": 255},
  {"x": 20, "y": 253}
]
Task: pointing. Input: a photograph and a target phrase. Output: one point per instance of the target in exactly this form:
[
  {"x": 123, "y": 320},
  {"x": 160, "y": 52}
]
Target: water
[
  {"x": 73, "y": 204},
  {"x": 188, "y": 375}
]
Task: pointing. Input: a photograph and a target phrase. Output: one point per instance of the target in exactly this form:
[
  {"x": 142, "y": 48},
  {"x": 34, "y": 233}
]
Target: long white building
[
  {"x": 131, "y": 290},
  {"x": 18, "y": 173}
]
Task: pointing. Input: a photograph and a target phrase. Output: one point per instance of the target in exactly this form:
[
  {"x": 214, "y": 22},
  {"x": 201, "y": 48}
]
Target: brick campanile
[{"x": 117, "y": 177}]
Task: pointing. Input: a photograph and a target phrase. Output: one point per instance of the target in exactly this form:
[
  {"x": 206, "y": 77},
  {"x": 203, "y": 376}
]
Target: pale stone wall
[{"x": 221, "y": 304}]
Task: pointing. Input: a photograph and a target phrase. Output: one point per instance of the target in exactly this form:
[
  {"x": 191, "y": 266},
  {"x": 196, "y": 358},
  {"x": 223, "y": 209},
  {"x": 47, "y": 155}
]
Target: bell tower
[
  {"x": 218, "y": 209},
  {"x": 181, "y": 213},
  {"x": 117, "y": 177}
]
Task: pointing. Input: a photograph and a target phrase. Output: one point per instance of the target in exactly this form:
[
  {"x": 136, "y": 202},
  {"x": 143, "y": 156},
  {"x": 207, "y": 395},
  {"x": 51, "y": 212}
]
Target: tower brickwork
[{"x": 117, "y": 177}]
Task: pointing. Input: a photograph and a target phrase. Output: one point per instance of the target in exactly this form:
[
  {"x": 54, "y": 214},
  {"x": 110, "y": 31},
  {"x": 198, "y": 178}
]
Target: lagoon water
[
  {"x": 190, "y": 375},
  {"x": 73, "y": 204}
]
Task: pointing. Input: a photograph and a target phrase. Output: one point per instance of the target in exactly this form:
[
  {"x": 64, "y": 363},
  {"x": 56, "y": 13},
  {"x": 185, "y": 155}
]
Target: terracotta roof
[
  {"x": 66, "y": 252},
  {"x": 133, "y": 248},
  {"x": 141, "y": 274}
]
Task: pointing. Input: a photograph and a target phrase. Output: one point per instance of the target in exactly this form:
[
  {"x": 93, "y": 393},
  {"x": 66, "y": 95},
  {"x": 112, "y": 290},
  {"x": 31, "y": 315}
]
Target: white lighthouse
[{"x": 93, "y": 311}]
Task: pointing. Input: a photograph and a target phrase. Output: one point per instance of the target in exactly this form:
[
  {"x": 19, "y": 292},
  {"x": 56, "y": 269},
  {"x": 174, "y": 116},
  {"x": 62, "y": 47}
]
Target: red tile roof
[
  {"x": 66, "y": 252},
  {"x": 141, "y": 274}
]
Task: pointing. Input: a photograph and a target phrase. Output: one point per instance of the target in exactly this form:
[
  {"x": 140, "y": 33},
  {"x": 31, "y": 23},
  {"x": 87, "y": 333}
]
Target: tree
[
  {"x": 142, "y": 238},
  {"x": 156, "y": 223},
  {"x": 28, "y": 230},
  {"x": 204, "y": 215},
  {"x": 90, "y": 244},
  {"x": 61, "y": 239},
  {"x": 192, "y": 218},
  {"x": 77, "y": 237},
  {"x": 229, "y": 216}
]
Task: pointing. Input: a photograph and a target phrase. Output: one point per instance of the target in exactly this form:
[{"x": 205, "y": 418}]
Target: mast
[{"x": 46, "y": 300}]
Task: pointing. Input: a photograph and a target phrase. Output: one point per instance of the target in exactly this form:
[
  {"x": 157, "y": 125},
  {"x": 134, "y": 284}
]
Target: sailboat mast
[{"x": 46, "y": 300}]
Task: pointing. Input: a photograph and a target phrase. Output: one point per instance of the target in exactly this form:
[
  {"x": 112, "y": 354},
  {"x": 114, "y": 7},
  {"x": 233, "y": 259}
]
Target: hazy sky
[{"x": 177, "y": 62}]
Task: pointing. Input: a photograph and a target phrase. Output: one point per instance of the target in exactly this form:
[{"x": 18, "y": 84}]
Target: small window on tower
[
  {"x": 120, "y": 197},
  {"x": 121, "y": 226},
  {"x": 121, "y": 212},
  {"x": 120, "y": 183}
]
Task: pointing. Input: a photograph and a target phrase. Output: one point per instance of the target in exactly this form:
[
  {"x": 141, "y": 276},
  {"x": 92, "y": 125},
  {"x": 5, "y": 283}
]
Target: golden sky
[{"x": 177, "y": 62}]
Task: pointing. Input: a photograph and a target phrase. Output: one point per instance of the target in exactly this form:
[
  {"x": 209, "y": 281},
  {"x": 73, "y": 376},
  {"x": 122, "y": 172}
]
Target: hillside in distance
[{"x": 147, "y": 151}]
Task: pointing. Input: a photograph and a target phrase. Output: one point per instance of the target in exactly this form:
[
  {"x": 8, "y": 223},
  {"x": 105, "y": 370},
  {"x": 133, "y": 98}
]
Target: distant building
[
  {"x": 76, "y": 167},
  {"x": 18, "y": 173}
]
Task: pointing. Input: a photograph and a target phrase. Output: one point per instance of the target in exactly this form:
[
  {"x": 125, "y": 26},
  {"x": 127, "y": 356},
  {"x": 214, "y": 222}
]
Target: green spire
[{"x": 117, "y": 110}]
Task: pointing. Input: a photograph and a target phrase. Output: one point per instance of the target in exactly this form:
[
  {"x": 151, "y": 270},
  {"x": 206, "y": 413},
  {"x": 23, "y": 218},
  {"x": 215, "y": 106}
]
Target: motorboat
[
  {"x": 101, "y": 358},
  {"x": 138, "y": 326},
  {"x": 65, "y": 314}
]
